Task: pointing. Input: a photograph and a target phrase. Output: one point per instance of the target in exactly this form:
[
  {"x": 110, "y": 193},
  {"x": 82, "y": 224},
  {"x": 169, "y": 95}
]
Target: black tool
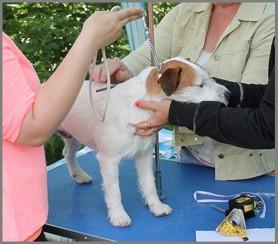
[{"x": 244, "y": 202}]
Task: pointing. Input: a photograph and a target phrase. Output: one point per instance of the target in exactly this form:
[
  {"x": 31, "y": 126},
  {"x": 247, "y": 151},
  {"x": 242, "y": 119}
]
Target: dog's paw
[
  {"x": 160, "y": 209},
  {"x": 81, "y": 177},
  {"x": 120, "y": 219}
]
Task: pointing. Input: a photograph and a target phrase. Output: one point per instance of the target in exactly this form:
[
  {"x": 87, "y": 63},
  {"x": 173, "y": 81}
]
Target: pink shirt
[{"x": 24, "y": 169}]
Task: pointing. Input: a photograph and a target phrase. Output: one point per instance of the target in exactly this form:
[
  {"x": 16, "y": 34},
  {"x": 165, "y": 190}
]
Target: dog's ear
[{"x": 170, "y": 80}]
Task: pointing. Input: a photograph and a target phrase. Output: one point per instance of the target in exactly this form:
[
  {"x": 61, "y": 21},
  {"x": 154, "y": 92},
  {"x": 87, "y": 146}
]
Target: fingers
[
  {"x": 129, "y": 13},
  {"x": 95, "y": 73},
  {"x": 158, "y": 119},
  {"x": 144, "y": 125},
  {"x": 102, "y": 75},
  {"x": 98, "y": 74},
  {"x": 115, "y": 8},
  {"x": 125, "y": 21},
  {"x": 148, "y": 124},
  {"x": 146, "y": 105},
  {"x": 147, "y": 132},
  {"x": 104, "y": 27},
  {"x": 118, "y": 72}
]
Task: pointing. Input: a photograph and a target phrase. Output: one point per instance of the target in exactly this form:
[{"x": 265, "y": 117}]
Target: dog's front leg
[
  {"x": 144, "y": 161},
  {"x": 109, "y": 168}
]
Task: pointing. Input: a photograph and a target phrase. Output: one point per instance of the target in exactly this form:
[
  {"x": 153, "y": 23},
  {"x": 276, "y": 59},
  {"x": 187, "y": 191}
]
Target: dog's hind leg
[
  {"x": 144, "y": 162},
  {"x": 71, "y": 147},
  {"x": 109, "y": 168}
]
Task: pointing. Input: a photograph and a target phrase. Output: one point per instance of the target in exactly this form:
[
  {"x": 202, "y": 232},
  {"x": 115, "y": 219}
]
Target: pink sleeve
[{"x": 18, "y": 97}]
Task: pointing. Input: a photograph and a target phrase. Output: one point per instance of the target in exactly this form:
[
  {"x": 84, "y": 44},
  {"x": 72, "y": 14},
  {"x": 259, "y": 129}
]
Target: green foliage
[
  {"x": 46, "y": 31},
  {"x": 160, "y": 9},
  {"x": 53, "y": 149}
]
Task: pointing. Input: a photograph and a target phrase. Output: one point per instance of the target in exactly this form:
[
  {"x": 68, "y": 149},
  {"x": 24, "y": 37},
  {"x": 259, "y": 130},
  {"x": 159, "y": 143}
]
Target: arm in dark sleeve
[
  {"x": 252, "y": 93},
  {"x": 242, "y": 127}
]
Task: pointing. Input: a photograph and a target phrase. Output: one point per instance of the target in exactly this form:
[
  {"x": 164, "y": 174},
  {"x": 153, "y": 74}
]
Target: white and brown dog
[{"x": 114, "y": 138}]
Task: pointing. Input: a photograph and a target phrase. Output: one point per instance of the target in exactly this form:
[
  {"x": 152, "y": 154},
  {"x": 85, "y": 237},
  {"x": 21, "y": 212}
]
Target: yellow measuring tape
[{"x": 234, "y": 225}]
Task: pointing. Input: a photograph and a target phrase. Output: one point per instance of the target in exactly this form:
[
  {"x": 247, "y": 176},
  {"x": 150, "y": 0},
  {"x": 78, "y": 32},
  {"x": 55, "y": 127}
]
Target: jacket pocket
[
  {"x": 186, "y": 137},
  {"x": 238, "y": 163},
  {"x": 231, "y": 61}
]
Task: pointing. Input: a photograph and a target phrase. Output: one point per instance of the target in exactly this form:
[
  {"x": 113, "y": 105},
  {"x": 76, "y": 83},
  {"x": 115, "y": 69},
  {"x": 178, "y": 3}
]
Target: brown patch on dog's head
[
  {"x": 176, "y": 75},
  {"x": 170, "y": 80},
  {"x": 152, "y": 87}
]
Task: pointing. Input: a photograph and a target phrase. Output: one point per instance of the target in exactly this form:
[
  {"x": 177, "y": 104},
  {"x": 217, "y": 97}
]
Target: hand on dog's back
[{"x": 118, "y": 71}]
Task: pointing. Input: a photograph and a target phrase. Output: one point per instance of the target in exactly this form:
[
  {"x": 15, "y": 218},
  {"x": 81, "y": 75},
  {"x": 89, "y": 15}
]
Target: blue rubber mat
[{"x": 82, "y": 208}]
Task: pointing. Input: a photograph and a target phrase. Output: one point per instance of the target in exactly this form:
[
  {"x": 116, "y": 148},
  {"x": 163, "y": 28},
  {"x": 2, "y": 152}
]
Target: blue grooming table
[{"x": 79, "y": 211}]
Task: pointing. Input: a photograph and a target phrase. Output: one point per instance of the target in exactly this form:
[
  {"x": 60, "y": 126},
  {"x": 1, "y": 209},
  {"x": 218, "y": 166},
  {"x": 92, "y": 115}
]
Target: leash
[
  {"x": 154, "y": 58},
  {"x": 108, "y": 84},
  {"x": 226, "y": 198}
]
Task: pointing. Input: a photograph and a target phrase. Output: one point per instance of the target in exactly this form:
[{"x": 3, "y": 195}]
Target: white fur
[
  {"x": 211, "y": 91},
  {"x": 114, "y": 138}
]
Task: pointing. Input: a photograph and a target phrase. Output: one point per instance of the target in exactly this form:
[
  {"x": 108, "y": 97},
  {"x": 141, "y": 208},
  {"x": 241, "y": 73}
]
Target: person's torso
[
  {"x": 228, "y": 61},
  {"x": 24, "y": 168}
]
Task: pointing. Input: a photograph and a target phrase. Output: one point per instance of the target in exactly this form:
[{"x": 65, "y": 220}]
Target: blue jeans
[{"x": 187, "y": 157}]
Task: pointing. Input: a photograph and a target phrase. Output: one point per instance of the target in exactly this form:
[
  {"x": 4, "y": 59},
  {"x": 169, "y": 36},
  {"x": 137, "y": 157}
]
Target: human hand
[
  {"x": 117, "y": 70},
  {"x": 104, "y": 27},
  {"x": 157, "y": 121}
]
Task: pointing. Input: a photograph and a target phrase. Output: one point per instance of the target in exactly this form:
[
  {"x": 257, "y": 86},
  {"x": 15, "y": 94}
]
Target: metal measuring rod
[
  {"x": 149, "y": 30},
  {"x": 150, "y": 38}
]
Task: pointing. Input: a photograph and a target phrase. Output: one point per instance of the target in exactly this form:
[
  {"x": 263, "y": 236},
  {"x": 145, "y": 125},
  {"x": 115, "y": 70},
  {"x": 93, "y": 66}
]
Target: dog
[{"x": 114, "y": 138}]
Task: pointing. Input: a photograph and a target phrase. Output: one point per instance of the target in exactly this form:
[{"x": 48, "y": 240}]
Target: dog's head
[{"x": 185, "y": 81}]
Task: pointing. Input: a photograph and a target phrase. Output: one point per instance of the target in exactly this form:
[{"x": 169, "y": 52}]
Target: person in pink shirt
[{"x": 32, "y": 113}]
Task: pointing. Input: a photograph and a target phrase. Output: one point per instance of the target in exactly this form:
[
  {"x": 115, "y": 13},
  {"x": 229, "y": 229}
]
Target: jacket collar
[
  {"x": 246, "y": 11},
  {"x": 250, "y": 11},
  {"x": 200, "y": 7}
]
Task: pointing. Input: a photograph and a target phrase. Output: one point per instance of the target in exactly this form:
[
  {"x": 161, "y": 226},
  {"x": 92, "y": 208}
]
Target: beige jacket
[{"x": 241, "y": 54}]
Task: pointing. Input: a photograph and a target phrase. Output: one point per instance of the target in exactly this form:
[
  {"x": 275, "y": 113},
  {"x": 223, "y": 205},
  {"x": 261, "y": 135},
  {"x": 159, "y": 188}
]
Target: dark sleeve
[
  {"x": 250, "y": 127},
  {"x": 252, "y": 93}
]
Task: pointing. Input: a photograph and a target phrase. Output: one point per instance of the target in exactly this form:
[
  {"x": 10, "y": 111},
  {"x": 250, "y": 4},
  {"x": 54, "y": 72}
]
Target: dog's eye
[{"x": 201, "y": 85}]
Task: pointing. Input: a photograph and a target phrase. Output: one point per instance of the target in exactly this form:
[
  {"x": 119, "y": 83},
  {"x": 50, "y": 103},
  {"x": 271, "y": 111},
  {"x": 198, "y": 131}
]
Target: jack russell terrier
[{"x": 114, "y": 139}]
